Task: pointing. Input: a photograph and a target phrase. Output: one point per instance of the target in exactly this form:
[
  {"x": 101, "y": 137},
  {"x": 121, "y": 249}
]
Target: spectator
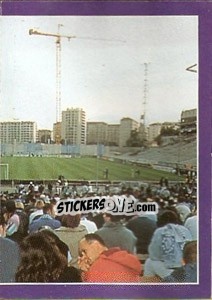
[
  {"x": 24, "y": 220},
  {"x": 71, "y": 232},
  {"x": 115, "y": 234},
  {"x": 61, "y": 245},
  {"x": 9, "y": 255},
  {"x": 165, "y": 249},
  {"x": 191, "y": 225},
  {"x": 143, "y": 228},
  {"x": 97, "y": 218},
  {"x": 31, "y": 188},
  {"x": 13, "y": 221},
  {"x": 183, "y": 210},
  {"x": 38, "y": 212},
  {"x": 90, "y": 225},
  {"x": 43, "y": 261},
  {"x": 47, "y": 219},
  {"x": 30, "y": 204},
  {"x": 50, "y": 188},
  {"x": 188, "y": 272},
  {"x": 100, "y": 264},
  {"x": 41, "y": 188}
]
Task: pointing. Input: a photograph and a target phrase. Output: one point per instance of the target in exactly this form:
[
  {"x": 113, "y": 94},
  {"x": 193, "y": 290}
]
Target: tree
[
  {"x": 169, "y": 131},
  {"x": 135, "y": 139}
]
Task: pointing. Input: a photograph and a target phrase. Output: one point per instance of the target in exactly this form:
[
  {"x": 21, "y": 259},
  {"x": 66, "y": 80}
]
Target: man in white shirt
[{"x": 90, "y": 225}]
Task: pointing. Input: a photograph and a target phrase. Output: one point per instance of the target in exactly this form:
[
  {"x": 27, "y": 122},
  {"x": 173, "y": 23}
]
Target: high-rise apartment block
[
  {"x": 12, "y": 132},
  {"x": 126, "y": 127},
  {"x": 96, "y": 133},
  {"x": 73, "y": 126},
  {"x": 113, "y": 132},
  {"x": 153, "y": 131},
  {"x": 102, "y": 133}
]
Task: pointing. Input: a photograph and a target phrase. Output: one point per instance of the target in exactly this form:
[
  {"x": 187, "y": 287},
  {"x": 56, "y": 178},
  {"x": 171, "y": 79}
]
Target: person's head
[
  {"x": 19, "y": 205},
  {"x": 49, "y": 233},
  {"x": 41, "y": 259},
  {"x": 71, "y": 221},
  {"x": 167, "y": 217},
  {"x": 10, "y": 206},
  {"x": 112, "y": 218},
  {"x": 183, "y": 211},
  {"x": 39, "y": 204},
  {"x": 48, "y": 209},
  {"x": 91, "y": 246},
  {"x": 190, "y": 252}
]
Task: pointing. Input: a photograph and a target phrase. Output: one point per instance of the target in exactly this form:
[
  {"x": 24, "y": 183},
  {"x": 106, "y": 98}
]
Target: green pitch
[{"x": 85, "y": 168}]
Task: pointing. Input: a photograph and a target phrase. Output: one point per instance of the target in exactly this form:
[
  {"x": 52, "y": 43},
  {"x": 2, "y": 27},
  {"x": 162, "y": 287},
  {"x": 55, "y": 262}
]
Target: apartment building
[
  {"x": 12, "y": 132},
  {"x": 113, "y": 132},
  {"x": 57, "y": 132},
  {"x": 153, "y": 131},
  {"x": 96, "y": 133},
  {"x": 73, "y": 126},
  {"x": 126, "y": 127},
  {"x": 44, "y": 136}
]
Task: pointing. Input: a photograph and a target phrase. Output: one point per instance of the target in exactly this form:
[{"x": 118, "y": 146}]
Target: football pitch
[{"x": 84, "y": 168}]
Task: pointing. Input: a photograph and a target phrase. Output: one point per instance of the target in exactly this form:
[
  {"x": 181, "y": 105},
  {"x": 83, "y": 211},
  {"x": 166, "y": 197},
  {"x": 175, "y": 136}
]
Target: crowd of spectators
[{"x": 37, "y": 245}]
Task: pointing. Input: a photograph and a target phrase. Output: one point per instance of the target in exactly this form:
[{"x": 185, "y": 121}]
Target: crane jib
[{"x": 57, "y": 35}]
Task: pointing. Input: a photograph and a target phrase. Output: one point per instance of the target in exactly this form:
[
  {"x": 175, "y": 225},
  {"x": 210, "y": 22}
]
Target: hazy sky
[{"x": 100, "y": 73}]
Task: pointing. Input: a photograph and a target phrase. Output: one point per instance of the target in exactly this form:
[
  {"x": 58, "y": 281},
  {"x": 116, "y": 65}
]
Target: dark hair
[
  {"x": 71, "y": 221},
  {"x": 190, "y": 252},
  {"x": 91, "y": 237},
  {"x": 114, "y": 218},
  {"x": 10, "y": 206},
  {"x": 2, "y": 219},
  {"x": 41, "y": 259},
  {"x": 60, "y": 244},
  {"x": 47, "y": 207},
  {"x": 168, "y": 216}
]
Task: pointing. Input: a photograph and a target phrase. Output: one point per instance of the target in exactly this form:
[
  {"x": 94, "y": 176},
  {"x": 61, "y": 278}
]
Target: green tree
[{"x": 135, "y": 139}]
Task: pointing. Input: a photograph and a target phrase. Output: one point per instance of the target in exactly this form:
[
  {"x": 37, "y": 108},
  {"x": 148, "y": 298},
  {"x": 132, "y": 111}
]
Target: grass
[{"x": 85, "y": 168}]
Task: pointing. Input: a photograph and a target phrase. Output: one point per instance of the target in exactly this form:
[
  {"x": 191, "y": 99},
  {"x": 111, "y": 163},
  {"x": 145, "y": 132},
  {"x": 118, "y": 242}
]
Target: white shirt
[
  {"x": 191, "y": 225},
  {"x": 36, "y": 213},
  {"x": 89, "y": 225}
]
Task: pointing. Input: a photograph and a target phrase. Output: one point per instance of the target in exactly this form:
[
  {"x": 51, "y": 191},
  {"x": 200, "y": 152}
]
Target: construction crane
[{"x": 58, "y": 37}]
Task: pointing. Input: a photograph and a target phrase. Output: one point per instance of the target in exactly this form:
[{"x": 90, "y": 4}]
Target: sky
[{"x": 102, "y": 69}]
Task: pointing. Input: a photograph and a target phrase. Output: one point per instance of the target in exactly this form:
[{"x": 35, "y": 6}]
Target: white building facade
[
  {"x": 12, "y": 132},
  {"x": 126, "y": 127},
  {"x": 73, "y": 129}
]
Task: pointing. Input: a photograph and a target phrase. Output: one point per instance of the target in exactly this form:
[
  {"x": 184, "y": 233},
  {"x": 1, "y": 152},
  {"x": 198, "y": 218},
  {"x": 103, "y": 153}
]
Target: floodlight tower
[
  {"x": 58, "y": 37},
  {"x": 145, "y": 96},
  {"x": 143, "y": 116}
]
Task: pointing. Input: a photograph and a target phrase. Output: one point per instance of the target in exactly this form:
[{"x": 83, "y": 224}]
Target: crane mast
[
  {"x": 58, "y": 80},
  {"x": 58, "y": 37}
]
